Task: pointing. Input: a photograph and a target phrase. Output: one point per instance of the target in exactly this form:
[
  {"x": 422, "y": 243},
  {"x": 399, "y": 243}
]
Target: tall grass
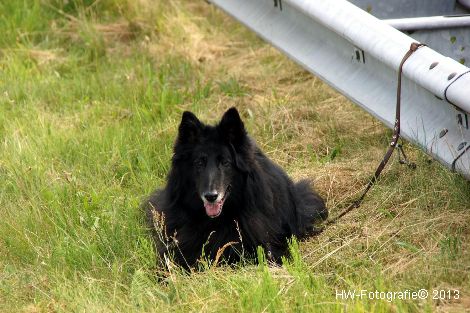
[{"x": 91, "y": 93}]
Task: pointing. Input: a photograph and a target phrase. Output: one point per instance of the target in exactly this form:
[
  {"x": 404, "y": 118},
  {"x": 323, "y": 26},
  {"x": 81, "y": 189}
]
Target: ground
[{"x": 91, "y": 93}]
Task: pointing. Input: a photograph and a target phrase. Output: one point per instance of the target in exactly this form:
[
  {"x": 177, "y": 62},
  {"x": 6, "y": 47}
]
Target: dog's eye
[{"x": 225, "y": 162}]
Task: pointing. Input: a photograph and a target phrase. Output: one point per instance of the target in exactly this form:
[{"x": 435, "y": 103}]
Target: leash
[{"x": 396, "y": 135}]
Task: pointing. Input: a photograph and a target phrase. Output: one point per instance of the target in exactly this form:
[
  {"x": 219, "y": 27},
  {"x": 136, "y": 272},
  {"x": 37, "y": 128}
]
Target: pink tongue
[{"x": 213, "y": 209}]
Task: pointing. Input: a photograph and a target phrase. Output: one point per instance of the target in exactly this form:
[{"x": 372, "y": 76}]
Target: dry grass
[{"x": 410, "y": 231}]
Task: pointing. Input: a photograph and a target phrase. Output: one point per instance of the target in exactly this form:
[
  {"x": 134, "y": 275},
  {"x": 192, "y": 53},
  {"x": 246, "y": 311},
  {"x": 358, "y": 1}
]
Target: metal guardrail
[
  {"x": 359, "y": 55},
  {"x": 431, "y": 22}
]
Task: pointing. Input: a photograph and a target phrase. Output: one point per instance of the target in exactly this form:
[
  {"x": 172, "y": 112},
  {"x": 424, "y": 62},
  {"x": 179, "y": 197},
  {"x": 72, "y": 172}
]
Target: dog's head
[{"x": 213, "y": 156}]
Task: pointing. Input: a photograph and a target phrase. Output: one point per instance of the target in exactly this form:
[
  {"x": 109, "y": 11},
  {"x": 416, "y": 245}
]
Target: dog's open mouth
[{"x": 214, "y": 209}]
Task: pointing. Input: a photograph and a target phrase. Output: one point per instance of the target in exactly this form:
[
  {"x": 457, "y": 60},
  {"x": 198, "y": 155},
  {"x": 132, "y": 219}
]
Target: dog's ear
[
  {"x": 232, "y": 129},
  {"x": 189, "y": 129}
]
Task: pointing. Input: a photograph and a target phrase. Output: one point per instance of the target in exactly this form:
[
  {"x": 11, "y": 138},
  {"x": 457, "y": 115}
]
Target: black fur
[{"x": 262, "y": 207}]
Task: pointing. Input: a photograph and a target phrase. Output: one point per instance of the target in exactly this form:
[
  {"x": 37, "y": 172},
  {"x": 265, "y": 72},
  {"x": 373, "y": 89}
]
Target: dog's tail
[{"x": 311, "y": 208}]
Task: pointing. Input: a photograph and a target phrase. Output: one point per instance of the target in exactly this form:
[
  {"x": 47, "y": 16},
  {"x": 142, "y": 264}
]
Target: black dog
[{"x": 224, "y": 198}]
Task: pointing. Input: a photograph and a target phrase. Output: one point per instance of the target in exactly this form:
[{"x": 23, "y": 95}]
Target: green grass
[{"x": 91, "y": 93}]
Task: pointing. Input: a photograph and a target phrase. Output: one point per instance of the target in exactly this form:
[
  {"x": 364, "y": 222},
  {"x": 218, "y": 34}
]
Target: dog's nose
[{"x": 211, "y": 196}]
